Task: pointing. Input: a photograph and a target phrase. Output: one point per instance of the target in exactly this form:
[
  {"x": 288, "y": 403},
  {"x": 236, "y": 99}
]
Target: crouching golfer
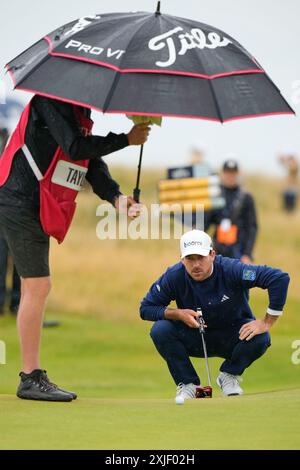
[
  {"x": 218, "y": 286},
  {"x": 50, "y": 153}
]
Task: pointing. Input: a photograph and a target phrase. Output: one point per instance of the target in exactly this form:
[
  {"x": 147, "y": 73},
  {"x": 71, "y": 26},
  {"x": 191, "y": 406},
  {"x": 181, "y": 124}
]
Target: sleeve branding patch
[
  {"x": 249, "y": 274},
  {"x": 158, "y": 287}
]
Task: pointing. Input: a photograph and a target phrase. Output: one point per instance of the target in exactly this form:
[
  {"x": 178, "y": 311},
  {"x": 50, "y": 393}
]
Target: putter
[{"x": 203, "y": 392}]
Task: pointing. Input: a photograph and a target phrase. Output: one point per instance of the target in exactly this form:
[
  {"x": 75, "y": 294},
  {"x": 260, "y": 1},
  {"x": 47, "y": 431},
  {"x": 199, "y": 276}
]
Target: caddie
[{"x": 47, "y": 158}]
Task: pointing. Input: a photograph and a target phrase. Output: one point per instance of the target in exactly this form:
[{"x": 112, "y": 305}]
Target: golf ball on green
[{"x": 179, "y": 400}]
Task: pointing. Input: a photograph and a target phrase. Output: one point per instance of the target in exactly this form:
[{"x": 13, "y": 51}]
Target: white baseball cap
[{"x": 195, "y": 242}]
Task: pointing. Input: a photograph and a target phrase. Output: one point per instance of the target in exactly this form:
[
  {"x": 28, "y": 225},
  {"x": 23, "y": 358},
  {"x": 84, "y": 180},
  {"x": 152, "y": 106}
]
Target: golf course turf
[
  {"x": 126, "y": 398},
  {"x": 103, "y": 351},
  {"x": 260, "y": 421}
]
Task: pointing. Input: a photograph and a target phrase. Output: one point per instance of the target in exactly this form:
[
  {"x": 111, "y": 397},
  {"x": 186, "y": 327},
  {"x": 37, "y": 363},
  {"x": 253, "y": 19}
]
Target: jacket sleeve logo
[{"x": 249, "y": 274}]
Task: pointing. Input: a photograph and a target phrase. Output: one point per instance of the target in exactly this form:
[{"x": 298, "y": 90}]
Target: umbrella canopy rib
[
  {"x": 211, "y": 85},
  {"x": 117, "y": 76}
]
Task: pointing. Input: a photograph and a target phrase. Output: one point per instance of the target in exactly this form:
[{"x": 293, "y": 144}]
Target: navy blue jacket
[{"x": 223, "y": 296}]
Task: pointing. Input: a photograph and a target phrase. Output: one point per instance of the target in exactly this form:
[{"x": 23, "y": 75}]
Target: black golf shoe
[
  {"x": 73, "y": 394},
  {"x": 36, "y": 386}
]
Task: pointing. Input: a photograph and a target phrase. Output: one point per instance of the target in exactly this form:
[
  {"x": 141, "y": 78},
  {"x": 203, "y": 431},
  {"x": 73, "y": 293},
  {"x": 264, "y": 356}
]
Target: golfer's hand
[
  {"x": 126, "y": 204},
  {"x": 138, "y": 134},
  {"x": 253, "y": 328},
  {"x": 189, "y": 317}
]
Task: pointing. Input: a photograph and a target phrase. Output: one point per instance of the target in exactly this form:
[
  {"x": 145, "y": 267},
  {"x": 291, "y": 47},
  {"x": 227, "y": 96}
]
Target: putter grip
[{"x": 200, "y": 320}]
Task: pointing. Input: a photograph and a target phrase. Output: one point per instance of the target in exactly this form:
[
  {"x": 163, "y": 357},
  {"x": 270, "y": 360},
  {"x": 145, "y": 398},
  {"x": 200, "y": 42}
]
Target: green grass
[
  {"x": 264, "y": 421},
  {"x": 103, "y": 350},
  {"x": 126, "y": 395}
]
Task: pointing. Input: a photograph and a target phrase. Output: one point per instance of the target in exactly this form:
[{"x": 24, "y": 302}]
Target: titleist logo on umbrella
[
  {"x": 177, "y": 44},
  {"x": 185, "y": 41}
]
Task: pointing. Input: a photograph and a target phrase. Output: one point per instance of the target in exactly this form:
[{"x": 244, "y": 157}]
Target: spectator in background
[
  {"x": 235, "y": 224},
  {"x": 4, "y": 253},
  {"x": 198, "y": 160},
  {"x": 290, "y": 193}
]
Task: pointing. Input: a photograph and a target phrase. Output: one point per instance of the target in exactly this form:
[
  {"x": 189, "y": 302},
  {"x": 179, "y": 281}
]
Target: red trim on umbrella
[
  {"x": 163, "y": 71},
  {"x": 137, "y": 113},
  {"x": 79, "y": 103},
  {"x": 55, "y": 97},
  {"x": 250, "y": 116}
]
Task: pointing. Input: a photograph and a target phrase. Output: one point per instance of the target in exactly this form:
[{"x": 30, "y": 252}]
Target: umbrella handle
[
  {"x": 137, "y": 191},
  {"x": 136, "y": 194}
]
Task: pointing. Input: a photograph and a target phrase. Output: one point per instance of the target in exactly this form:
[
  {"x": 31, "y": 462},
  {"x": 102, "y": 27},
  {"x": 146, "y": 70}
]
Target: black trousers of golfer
[{"x": 176, "y": 342}]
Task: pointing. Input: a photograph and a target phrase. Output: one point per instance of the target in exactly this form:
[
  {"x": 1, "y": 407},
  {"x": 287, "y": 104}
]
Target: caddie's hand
[
  {"x": 189, "y": 317},
  {"x": 138, "y": 134},
  {"x": 134, "y": 208},
  {"x": 126, "y": 204},
  {"x": 253, "y": 328}
]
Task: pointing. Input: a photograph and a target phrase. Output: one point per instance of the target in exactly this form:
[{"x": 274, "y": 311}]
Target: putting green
[
  {"x": 258, "y": 421},
  {"x": 102, "y": 349},
  {"x": 126, "y": 395}
]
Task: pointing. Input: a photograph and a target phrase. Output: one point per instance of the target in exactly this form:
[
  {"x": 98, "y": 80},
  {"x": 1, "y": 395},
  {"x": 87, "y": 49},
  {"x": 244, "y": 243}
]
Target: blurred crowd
[
  {"x": 234, "y": 224},
  {"x": 290, "y": 163}
]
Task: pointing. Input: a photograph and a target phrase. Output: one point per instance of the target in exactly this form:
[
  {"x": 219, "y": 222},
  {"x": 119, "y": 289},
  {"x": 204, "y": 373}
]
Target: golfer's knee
[
  {"x": 161, "y": 330},
  {"x": 262, "y": 341}
]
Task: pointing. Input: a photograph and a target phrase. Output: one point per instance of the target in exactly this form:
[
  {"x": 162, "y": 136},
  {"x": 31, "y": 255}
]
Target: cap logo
[{"x": 192, "y": 243}]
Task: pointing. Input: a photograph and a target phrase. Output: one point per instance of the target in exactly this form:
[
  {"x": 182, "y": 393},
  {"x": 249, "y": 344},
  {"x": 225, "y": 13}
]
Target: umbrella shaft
[{"x": 136, "y": 191}]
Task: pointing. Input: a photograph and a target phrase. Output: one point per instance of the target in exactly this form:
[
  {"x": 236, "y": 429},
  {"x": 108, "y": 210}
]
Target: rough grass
[{"x": 111, "y": 276}]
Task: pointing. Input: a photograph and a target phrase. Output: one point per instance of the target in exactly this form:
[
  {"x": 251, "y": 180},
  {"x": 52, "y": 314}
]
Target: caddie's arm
[{"x": 60, "y": 121}]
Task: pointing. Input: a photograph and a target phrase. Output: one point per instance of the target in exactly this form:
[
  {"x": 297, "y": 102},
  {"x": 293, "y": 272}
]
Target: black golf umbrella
[{"x": 148, "y": 64}]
